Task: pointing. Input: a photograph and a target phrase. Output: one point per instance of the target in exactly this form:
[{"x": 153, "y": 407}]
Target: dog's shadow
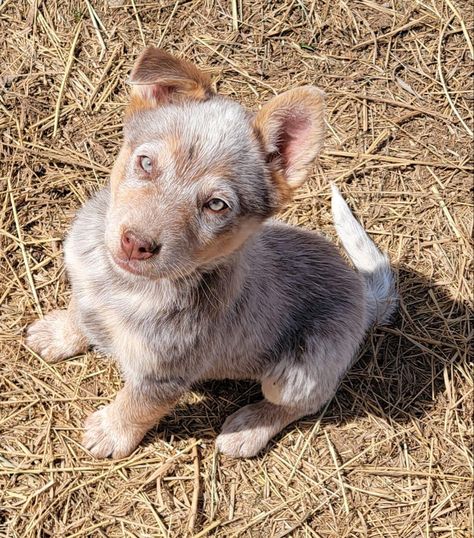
[{"x": 397, "y": 376}]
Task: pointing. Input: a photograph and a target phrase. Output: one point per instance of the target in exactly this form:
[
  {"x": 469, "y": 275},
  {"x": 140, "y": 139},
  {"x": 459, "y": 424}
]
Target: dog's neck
[
  {"x": 217, "y": 286},
  {"x": 213, "y": 288}
]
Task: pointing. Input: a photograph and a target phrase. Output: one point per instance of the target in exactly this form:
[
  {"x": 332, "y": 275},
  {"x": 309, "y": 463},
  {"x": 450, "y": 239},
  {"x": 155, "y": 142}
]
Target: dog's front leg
[
  {"x": 117, "y": 429},
  {"x": 57, "y": 336}
]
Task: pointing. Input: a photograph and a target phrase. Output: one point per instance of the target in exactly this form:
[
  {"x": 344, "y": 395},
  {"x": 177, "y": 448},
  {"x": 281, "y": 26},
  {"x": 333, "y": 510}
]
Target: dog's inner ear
[
  {"x": 291, "y": 128},
  {"x": 158, "y": 78}
]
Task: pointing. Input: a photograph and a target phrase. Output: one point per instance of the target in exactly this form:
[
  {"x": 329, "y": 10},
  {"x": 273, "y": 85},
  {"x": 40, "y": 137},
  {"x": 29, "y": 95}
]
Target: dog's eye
[
  {"x": 216, "y": 204},
  {"x": 146, "y": 163}
]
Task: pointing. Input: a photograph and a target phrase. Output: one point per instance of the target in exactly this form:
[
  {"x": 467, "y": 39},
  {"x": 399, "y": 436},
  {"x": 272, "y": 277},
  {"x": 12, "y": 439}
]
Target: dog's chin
[
  {"x": 131, "y": 269},
  {"x": 128, "y": 268}
]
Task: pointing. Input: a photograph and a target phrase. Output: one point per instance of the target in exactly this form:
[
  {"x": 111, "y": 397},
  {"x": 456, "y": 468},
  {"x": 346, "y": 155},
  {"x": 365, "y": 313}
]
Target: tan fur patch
[
  {"x": 132, "y": 198},
  {"x": 140, "y": 412},
  {"x": 118, "y": 171},
  {"x": 127, "y": 198},
  {"x": 117, "y": 429},
  {"x": 158, "y": 77},
  {"x": 228, "y": 242},
  {"x": 285, "y": 192},
  {"x": 137, "y": 103}
]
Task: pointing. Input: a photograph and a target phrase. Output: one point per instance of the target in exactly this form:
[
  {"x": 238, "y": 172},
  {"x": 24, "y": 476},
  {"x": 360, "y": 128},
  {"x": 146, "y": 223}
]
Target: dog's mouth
[
  {"x": 130, "y": 266},
  {"x": 143, "y": 268}
]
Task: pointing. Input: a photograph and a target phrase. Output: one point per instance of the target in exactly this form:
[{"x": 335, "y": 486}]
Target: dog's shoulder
[
  {"x": 298, "y": 244},
  {"x": 305, "y": 264}
]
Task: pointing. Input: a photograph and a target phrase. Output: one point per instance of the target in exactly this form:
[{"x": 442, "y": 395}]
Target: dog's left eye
[
  {"x": 216, "y": 204},
  {"x": 146, "y": 164}
]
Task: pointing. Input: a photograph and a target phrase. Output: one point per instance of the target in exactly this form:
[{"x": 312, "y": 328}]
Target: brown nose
[{"x": 135, "y": 248}]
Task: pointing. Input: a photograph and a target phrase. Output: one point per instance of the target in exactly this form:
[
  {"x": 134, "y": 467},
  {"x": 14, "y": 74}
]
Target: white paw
[
  {"x": 52, "y": 337},
  {"x": 107, "y": 437},
  {"x": 246, "y": 432}
]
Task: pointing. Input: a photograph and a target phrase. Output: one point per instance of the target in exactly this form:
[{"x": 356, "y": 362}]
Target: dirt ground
[{"x": 391, "y": 454}]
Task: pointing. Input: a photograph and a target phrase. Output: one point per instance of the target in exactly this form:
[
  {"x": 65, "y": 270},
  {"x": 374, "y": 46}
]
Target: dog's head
[{"x": 197, "y": 173}]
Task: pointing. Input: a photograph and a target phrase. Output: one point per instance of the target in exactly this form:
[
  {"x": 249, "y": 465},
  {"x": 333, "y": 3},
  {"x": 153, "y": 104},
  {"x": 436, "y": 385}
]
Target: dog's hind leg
[
  {"x": 57, "y": 336},
  {"x": 293, "y": 388},
  {"x": 247, "y": 431}
]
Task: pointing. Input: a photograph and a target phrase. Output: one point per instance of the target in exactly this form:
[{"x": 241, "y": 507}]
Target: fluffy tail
[{"x": 369, "y": 261}]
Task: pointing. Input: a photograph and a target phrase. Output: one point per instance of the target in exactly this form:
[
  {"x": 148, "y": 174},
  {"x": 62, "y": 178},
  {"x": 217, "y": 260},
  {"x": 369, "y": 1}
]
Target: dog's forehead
[
  {"x": 217, "y": 126},
  {"x": 194, "y": 141}
]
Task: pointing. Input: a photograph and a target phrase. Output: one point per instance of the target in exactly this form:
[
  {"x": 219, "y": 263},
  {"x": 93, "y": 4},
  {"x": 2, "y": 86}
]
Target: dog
[{"x": 179, "y": 272}]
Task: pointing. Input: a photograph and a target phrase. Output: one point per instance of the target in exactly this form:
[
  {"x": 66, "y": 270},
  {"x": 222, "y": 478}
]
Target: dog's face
[{"x": 197, "y": 173}]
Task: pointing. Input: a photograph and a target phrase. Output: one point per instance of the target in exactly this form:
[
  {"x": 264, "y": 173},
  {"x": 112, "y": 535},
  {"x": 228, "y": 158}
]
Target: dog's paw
[
  {"x": 53, "y": 338},
  {"x": 107, "y": 437},
  {"x": 246, "y": 432}
]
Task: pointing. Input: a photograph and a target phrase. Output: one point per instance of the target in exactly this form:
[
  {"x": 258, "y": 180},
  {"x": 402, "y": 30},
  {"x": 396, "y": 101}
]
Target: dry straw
[{"x": 390, "y": 456}]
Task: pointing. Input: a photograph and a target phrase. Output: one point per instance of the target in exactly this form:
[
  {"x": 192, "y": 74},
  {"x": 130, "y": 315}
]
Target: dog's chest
[{"x": 144, "y": 332}]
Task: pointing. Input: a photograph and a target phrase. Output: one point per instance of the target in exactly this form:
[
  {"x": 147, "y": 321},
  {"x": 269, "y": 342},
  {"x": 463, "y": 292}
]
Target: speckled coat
[{"x": 213, "y": 286}]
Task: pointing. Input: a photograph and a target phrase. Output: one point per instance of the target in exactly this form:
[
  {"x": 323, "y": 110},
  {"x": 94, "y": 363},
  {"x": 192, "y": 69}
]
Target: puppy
[{"x": 177, "y": 273}]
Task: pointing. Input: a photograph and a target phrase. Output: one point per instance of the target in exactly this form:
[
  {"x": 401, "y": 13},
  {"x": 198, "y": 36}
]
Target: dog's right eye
[
  {"x": 216, "y": 205},
  {"x": 146, "y": 164}
]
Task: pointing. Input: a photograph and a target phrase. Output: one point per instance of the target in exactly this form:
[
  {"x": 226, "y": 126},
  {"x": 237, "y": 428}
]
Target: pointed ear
[
  {"x": 158, "y": 78},
  {"x": 291, "y": 128}
]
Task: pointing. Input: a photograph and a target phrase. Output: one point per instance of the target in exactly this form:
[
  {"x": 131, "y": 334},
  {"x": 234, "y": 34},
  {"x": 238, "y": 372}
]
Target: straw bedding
[{"x": 391, "y": 455}]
